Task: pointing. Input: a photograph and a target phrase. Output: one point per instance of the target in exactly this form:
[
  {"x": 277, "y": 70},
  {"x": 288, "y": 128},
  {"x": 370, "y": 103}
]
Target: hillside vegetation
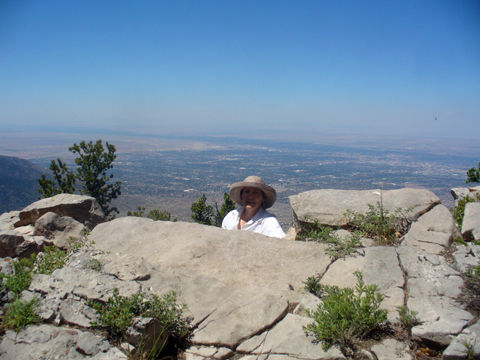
[{"x": 18, "y": 183}]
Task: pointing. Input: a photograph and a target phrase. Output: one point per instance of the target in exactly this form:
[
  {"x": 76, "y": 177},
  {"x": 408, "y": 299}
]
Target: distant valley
[{"x": 171, "y": 178}]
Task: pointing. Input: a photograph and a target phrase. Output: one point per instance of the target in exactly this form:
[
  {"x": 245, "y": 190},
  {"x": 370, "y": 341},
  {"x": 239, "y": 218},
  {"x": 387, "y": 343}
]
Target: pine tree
[{"x": 93, "y": 163}]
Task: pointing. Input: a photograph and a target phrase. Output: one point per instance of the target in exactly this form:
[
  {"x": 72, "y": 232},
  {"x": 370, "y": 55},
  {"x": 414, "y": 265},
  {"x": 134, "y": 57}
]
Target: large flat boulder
[
  {"x": 328, "y": 205},
  {"x": 239, "y": 258},
  {"x": 223, "y": 315},
  {"x": 84, "y": 209},
  {"x": 433, "y": 231}
]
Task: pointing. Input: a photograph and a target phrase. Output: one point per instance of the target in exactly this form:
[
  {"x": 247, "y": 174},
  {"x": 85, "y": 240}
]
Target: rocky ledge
[{"x": 244, "y": 292}]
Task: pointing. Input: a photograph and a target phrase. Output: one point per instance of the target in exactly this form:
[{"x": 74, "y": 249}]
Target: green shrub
[
  {"x": 473, "y": 272},
  {"x": 158, "y": 215},
  {"x": 458, "y": 211},
  {"x": 20, "y": 313},
  {"x": 408, "y": 319},
  {"x": 50, "y": 260},
  {"x": 379, "y": 224},
  {"x": 313, "y": 286},
  {"x": 117, "y": 313},
  {"x": 154, "y": 214},
  {"x": 21, "y": 278},
  {"x": 346, "y": 315},
  {"x": 94, "y": 264},
  {"x": 337, "y": 247},
  {"x": 469, "y": 350},
  {"x": 211, "y": 215}
]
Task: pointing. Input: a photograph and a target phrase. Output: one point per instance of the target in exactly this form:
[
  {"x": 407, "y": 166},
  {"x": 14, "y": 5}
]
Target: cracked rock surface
[{"x": 241, "y": 288}]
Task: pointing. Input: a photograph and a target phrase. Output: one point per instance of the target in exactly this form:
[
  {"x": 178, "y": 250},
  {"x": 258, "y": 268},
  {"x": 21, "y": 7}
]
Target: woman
[{"x": 253, "y": 196}]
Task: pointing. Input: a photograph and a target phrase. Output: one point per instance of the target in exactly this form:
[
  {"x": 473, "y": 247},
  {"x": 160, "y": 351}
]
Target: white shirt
[{"x": 263, "y": 222}]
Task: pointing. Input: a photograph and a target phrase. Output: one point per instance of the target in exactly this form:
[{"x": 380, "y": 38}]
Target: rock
[
  {"x": 308, "y": 302},
  {"x": 457, "y": 350},
  {"x": 433, "y": 231},
  {"x": 364, "y": 354},
  {"x": 291, "y": 234},
  {"x": 433, "y": 287},
  {"x": 328, "y": 206},
  {"x": 467, "y": 256},
  {"x": 13, "y": 244},
  {"x": 471, "y": 222},
  {"x": 84, "y": 209},
  {"x": 62, "y": 230},
  {"x": 124, "y": 267},
  {"x": 288, "y": 338},
  {"x": 209, "y": 352},
  {"x": 112, "y": 354},
  {"x": 461, "y": 193},
  {"x": 64, "y": 293},
  {"x": 224, "y": 315},
  {"x": 340, "y": 273},
  {"x": 76, "y": 313},
  {"x": 90, "y": 344},
  {"x": 147, "y": 334},
  {"x": 239, "y": 258},
  {"x": 391, "y": 349},
  {"x": 50, "y": 342},
  {"x": 7, "y": 220},
  {"x": 380, "y": 266},
  {"x": 88, "y": 284},
  {"x": 6, "y": 266}
]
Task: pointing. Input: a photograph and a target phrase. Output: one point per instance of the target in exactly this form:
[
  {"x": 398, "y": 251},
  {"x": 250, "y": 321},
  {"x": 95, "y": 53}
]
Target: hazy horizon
[{"x": 245, "y": 68}]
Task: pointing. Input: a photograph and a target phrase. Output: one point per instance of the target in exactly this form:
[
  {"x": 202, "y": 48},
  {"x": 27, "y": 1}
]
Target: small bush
[
  {"x": 21, "y": 278},
  {"x": 75, "y": 245},
  {"x": 379, "y": 224},
  {"x": 117, "y": 313},
  {"x": 469, "y": 350},
  {"x": 21, "y": 313},
  {"x": 337, "y": 247},
  {"x": 346, "y": 315},
  {"x": 50, "y": 260},
  {"x": 313, "y": 286},
  {"x": 408, "y": 319},
  {"x": 94, "y": 264},
  {"x": 154, "y": 214}
]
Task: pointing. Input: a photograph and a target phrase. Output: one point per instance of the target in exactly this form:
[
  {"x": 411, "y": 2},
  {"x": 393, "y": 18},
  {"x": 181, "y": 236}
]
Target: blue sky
[{"x": 242, "y": 67}]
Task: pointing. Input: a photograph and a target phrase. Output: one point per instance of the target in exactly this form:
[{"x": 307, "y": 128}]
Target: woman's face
[{"x": 252, "y": 198}]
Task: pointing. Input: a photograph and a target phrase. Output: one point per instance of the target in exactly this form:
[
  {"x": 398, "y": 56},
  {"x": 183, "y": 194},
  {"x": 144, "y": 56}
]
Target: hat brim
[{"x": 270, "y": 193}]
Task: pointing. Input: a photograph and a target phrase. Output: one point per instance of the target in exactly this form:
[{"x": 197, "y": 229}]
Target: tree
[
  {"x": 64, "y": 178},
  {"x": 201, "y": 212},
  {"x": 227, "y": 206},
  {"x": 154, "y": 214},
  {"x": 473, "y": 175},
  {"x": 93, "y": 163},
  {"x": 209, "y": 215},
  {"x": 158, "y": 215}
]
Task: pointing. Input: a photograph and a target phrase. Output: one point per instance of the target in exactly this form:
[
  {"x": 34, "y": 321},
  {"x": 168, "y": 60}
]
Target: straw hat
[{"x": 254, "y": 182}]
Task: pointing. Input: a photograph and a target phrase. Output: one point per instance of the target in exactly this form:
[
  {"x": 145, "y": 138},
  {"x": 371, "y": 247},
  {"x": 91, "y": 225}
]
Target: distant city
[{"x": 173, "y": 179}]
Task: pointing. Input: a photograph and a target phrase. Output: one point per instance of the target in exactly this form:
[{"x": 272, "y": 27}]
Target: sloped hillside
[{"x": 18, "y": 183}]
